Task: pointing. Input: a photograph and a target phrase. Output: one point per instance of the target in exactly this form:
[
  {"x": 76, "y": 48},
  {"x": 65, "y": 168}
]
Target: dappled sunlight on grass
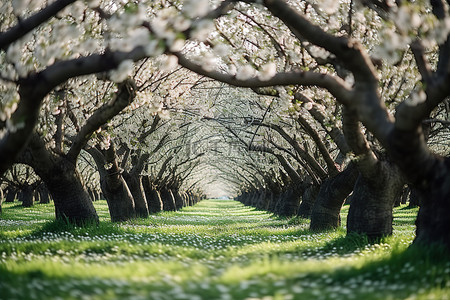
[{"x": 218, "y": 249}]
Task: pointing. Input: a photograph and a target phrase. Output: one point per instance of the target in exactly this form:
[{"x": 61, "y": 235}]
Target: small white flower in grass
[
  {"x": 124, "y": 70},
  {"x": 196, "y": 8},
  {"x": 245, "y": 72},
  {"x": 267, "y": 71}
]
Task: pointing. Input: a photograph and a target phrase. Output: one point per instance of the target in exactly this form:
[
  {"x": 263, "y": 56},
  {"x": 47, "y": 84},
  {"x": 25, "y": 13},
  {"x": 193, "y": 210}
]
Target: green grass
[{"x": 218, "y": 249}]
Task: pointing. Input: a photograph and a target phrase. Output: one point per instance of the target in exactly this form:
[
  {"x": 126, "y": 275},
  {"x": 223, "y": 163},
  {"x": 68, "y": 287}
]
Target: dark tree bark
[
  {"x": 308, "y": 200},
  {"x": 373, "y": 200},
  {"x": 154, "y": 202},
  {"x": 11, "y": 195},
  {"x": 177, "y": 198},
  {"x": 114, "y": 188},
  {"x": 44, "y": 194},
  {"x": 26, "y": 196},
  {"x": 135, "y": 185},
  {"x": 1, "y": 200},
  {"x": 71, "y": 199},
  {"x": 332, "y": 194},
  {"x": 167, "y": 199}
]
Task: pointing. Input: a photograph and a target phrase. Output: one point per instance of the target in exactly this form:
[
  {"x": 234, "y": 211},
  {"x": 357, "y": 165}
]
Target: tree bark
[
  {"x": 71, "y": 199},
  {"x": 114, "y": 188},
  {"x": 11, "y": 195},
  {"x": 154, "y": 202},
  {"x": 373, "y": 200},
  {"x": 432, "y": 220},
  {"x": 44, "y": 194},
  {"x": 167, "y": 199},
  {"x": 332, "y": 194},
  {"x": 308, "y": 200},
  {"x": 135, "y": 185}
]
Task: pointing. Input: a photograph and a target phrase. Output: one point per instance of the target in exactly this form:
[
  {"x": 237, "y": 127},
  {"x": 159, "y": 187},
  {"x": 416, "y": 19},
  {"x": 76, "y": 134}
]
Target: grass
[{"x": 218, "y": 249}]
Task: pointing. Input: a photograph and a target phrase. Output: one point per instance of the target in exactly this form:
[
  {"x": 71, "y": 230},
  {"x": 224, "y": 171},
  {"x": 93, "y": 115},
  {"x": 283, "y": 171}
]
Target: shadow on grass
[{"x": 347, "y": 244}]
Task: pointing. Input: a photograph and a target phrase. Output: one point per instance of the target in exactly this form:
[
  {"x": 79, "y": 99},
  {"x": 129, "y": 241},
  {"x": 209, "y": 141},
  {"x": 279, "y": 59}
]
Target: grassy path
[{"x": 218, "y": 249}]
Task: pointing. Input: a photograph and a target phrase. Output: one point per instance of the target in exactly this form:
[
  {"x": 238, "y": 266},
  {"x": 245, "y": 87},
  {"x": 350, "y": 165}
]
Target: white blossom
[
  {"x": 329, "y": 6},
  {"x": 202, "y": 30},
  {"x": 14, "y": 53},
  {"x": 221, "y": 50},
  {"x": 245, "y": 72},
  {"x": 168, "y": 63},
  {"x": 195, "y": 8},
  {"x": 308, "y": 105},
  {"x": 124, "y": 70},
  {"x": 267, "y": 71}
]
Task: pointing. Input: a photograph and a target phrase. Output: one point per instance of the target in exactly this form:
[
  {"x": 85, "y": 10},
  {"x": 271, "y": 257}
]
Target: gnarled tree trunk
[
  {"x": 308, "y": 200},
  {"x": 113, "y": 186},
  {"x": 71, "y": 199},
  {"x": 332, "y": 194},
  {"x": 135, "y": 185},
  {"x": 373, "y": 201}
]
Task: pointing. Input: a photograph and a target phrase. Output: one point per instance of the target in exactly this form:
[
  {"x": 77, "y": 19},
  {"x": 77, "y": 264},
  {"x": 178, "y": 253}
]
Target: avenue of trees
[{"x": 296, "y": 107}]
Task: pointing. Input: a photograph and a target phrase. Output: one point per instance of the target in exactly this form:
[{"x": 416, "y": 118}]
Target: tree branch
[{"x": 124, "y": 96}]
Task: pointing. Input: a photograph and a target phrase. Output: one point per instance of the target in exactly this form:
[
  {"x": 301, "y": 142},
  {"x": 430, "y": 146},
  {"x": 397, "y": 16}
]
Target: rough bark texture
[
  {"x": 167, "y": 199},
  {"x": 152, "y": 196},
  {"x": 433, "y": 222},
  {"x": 135, "y": 186},
  {"x": 26, "y": 196},
  {"x": 290, "y": 201},
  {"x": 119, "y": 198},
  {"x": 11, "y": 195},
  {"x": 332, "y": 194},
  {"x": 44, "y": 194},
  {"x": 308, "y": 200},
  {"x": 373, "y": 200}
]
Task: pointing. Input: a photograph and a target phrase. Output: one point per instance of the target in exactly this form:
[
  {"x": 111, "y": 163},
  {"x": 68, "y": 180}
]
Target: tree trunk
[
  {"x": 308, "y": 200},
  {"x": 114, "y": 188},
  {"x": 11, "y": 195},
  {"x": 135, "y": 185},
  {"x": 72, "y": 202},
  {"x": 44, "y": 195},
  {"x": 154, "y": 202},
  {"x": 373, "y": 200},
  {"x": 177, "y": 198},
  {"x": 290, "y": 201},
  {"x": 1, "y": 200},
  {"x": 332, "y": 194},
  {"x": 26, "y": 196},
  {"x": 119, "y": 198},
  {"x": 167, "y": 199},
  {"x": 432, "y": 221}
]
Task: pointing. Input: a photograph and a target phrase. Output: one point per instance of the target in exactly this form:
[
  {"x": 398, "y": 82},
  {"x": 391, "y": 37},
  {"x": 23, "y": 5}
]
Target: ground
[{"x": 218, "y": 249}]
